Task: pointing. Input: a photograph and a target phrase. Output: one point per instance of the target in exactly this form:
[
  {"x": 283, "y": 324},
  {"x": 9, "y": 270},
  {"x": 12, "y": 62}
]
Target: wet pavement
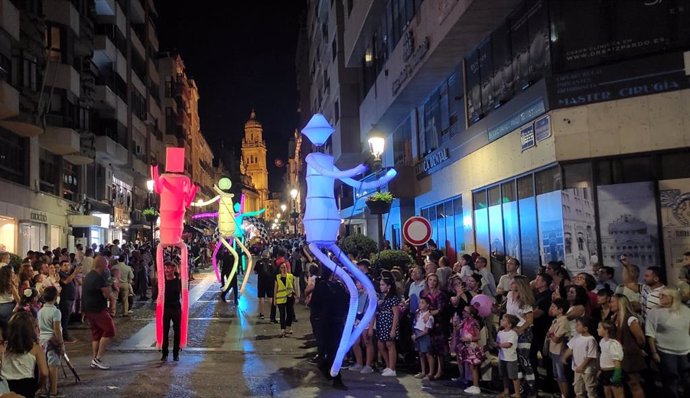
[{"x": 231, "y": 353}]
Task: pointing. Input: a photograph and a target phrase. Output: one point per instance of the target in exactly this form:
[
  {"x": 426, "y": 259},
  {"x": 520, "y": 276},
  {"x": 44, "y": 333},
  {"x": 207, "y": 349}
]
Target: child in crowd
[
  {"x": 50, "y": 337},
  {"x": 558, "y": 336},
  {"x": 507, "y": 340},
  {"x": 583, "y": 348},
  {"x": 29, "y": 302},
  {"x": 611, "y": 375},
  {"x": 423, "y": 323},
  {"x": 471, "y": 352}
]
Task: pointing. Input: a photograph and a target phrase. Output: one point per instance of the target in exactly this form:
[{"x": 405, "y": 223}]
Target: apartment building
[
  {"x": 81, "y": 121},
  {"x": 529, "y": 136}
]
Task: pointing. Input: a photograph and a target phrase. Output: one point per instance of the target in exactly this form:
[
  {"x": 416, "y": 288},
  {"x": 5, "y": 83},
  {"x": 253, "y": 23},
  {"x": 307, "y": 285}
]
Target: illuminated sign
[{"x": 430, "y": 161}]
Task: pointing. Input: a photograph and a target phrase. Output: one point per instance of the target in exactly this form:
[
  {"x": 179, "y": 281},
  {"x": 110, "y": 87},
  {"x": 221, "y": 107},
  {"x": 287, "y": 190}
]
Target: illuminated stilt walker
[
  {"x": 229, "y": 229},
  {"x": 176, "y": 193},
  {"x": 322, "y": 222}
]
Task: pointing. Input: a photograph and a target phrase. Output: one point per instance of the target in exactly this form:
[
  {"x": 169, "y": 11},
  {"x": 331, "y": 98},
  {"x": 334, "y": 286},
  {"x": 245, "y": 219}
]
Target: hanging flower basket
[
  {"x": 150, "y": 214},
  {"x": 379, "y": 203}
]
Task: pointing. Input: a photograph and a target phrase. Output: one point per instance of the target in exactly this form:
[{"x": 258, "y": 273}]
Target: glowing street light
[
  {"x": 283, "y": 207},
  {"x": 293, "y": 193},
  {"x": 149, "y": 186}
]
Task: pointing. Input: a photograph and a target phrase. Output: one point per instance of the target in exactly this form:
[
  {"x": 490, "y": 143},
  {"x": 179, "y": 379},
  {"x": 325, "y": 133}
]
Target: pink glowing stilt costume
[{"x": 176, "y": 193}]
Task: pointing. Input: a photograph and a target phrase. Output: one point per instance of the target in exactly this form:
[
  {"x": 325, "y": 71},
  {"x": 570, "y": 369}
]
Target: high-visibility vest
[{"x": 284, "y": 290}]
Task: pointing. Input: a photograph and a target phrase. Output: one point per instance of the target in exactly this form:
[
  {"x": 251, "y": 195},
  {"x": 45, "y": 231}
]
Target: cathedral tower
[{"x": 254, "y": 157}]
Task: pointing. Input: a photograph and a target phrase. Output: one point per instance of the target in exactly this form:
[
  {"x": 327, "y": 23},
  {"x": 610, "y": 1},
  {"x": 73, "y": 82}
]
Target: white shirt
[
  {"x": 650, "y": 299},
  {"x": 513, "y": 308},
  {"x": 419, "y": 322},
  {"x": 504, "y": 282},
  {"x": 611, "y": 350},
  {"x": 670, "y": 329},
  {"x": 508, "y": 354},
  {"x": 583, "y": 347}
]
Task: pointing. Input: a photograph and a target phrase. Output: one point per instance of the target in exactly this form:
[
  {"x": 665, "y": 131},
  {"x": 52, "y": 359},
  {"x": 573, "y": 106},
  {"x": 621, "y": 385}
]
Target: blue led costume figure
[{"x": 322, "y": 223}]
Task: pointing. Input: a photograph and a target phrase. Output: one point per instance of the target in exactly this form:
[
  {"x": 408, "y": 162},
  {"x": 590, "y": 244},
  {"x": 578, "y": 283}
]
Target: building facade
[
  {"x": 81, "y": 121},
  {"x": 523, "y": 138},
  {"x": 254, "y": 162}
]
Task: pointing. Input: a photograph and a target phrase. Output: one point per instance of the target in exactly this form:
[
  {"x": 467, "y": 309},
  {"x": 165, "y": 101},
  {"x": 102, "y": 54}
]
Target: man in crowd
[
  {"x": 512, "y": 266},
  {"x": 651, "y": 291},
  {"x": 126, "y": 278},
  {"x": 96, "y": 293},
  {"x": 605, "y": 279},
  {"x": 68, "y": 294},
  {"x": 488, "y": 281}
]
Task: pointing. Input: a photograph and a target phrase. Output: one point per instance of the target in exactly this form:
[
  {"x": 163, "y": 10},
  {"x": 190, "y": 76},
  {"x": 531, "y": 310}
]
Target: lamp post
[
  {"x": 294, "y": 214},
  {"x": 149, "y": 188},
  {"x": 377, "y": 144}
]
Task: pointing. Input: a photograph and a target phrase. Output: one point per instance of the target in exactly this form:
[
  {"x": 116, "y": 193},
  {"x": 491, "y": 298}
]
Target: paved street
[{"x": 228, "y": 355}]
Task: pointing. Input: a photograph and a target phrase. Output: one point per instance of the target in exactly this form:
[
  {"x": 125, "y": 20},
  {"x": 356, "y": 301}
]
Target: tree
[{"x": 359, "y": 246}]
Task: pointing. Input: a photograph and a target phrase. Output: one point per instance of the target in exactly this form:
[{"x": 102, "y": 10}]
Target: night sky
[{"x": 242, "y": 55}]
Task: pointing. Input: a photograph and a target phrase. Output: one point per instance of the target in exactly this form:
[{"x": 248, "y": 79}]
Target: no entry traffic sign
[{"x": 417, "y": 230}]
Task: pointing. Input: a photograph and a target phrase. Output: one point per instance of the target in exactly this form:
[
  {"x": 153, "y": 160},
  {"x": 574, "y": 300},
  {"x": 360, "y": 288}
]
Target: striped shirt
[{"x": 650, "y": 299}]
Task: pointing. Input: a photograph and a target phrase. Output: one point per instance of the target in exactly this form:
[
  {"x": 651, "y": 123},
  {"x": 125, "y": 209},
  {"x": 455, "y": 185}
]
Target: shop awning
[{"x": 83, "y": 221}]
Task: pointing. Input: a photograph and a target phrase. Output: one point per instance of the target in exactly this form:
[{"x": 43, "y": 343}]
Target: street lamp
[
  {"x": 294, "y": 214},
  {"x": 377, "y": 144},
  {"x": 283, "y": 207}
]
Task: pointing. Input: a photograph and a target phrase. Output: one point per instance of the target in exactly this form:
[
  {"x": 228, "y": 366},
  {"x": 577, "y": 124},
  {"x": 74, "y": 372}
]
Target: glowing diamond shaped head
[
  {"x": 318, "y": 129},
  {"x": 224, "y": 184}
]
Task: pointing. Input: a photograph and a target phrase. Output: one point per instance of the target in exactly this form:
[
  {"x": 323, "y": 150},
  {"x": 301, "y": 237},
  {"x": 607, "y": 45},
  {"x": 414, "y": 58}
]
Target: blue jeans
[{"x": 675, "y": 369}]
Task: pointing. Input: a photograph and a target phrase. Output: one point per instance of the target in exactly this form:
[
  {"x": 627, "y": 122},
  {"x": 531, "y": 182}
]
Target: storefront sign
[
  {"x": 38, "y": 217},
  {"x": 518, "y": 119},
  {"x": 656, "y": 74},
  {"x": 527, "y": 137},
  {"x": 430, "y": 161},
  {"x": 542, "y": 128}
]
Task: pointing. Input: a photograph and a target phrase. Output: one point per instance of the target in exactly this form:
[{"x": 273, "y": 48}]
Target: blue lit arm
[
  {"x": 328, "y": 172},
  {"x": 390, "y": 174}
]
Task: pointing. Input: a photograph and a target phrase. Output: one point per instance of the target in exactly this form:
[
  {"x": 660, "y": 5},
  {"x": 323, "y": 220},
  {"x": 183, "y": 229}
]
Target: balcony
[
  {"x": 62, "y": 12},
  {"x": 60, "y": 140},
  {"x": 23, "y": 125},
  {"x": 105, "y": 7},
  {"x": 104, "y": 50},
  {"x": 140, "y": 167},
  {"x": 138, "y": 14},
  {"x": 9, "y": 18},
  {"x": 110, "y": 151},
  {"x": 9, "y": 100},
  {"x": 105, "y": 98},
  {"x": 136, "y": 44},
  {"x": 63, "y": 76},
  {"x": 87, "y": 151}
]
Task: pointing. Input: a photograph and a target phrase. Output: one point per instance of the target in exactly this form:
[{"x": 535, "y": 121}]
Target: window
[
  {"x": 350, "y": 3},
  {"x": 548, "y": 180},
  {"x": 28, "y": 71},
  {"x": 402, "y": 144},
  {"x": 446, "y": 221},
  {"x": 13, "y": 157},
  {"x": 70, "y": 182},
  {"x": 168, "y": 87},
  {"x": 48, "y": 172},
  {"x": 53, "y": 42}
]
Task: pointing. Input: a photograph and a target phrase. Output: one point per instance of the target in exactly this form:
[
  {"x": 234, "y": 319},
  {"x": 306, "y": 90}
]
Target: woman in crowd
[
  {"x": 669, "y": 341},
  {"x": 577, "y": 299},
  {"x": 631, "y": 287},
  {"x": 22, "y": 355},
  {"x": 629, "y": 333},
  {"x": 387, "y": 324},
  {"x": 589, "y": 283},
  {"x": 520, "y": 303},
  {"x": 464, "y": 267},
  {"x": 439, "y": 334},
  {"x": 9, "y": 296}
]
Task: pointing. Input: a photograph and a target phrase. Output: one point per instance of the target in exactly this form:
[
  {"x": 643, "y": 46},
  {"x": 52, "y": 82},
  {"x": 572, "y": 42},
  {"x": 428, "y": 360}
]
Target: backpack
[{"x": 264, "y": 269}]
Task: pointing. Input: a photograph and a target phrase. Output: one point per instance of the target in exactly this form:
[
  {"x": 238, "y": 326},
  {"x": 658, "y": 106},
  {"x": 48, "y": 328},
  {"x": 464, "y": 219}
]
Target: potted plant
[
  {"x": 379, "y": 202},
  {"x": 359, "y": 246},
  {"x": 150, "y": 214},
  {"x": 387, "y": 259}
]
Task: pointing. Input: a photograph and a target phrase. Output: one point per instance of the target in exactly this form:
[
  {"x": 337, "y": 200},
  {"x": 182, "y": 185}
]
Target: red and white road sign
[{"x": 417, "y": 230}]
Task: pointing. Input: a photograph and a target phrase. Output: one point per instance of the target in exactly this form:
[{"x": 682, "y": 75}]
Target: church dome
[{"x": 252, "y": 122}]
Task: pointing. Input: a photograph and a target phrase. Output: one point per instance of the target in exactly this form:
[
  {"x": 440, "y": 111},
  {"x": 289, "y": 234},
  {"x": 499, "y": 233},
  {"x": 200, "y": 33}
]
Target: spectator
[
  {"x": 87, "y": 261},
  {"x": 488, "y": 281},
  {"x": 95, "y": 307},
  {"x": 284, "y": 294},
  {"x": 512, "y": 267},
  {"x": 360, "y": 361},
  {"x": 439, "y": 336},
  {"x": 651, "y": 291},
  {"x": 470, "y": 352},
  {"x": 630, "y": 334},
  {"x": 9, "y": 296},
  {"x": 542, "y": 321},
  {"x": 23, "y": 355},
  {"x": 583, "y": 349},
  {"x": 387, "y": 324},
  {"x": 444, "y": 272},
  {"x": 611, "y": 375},
  {"x": 520, "y": 303},
  {"x": 68, "y": 293},
  {"x": 667, "y": 329},
  {"x": 464, "y": 267},
  {"x": 577, "y": 299},
  {"x": 50, "y": 337},
  {"x": 125, "y": 279},
  {"x": 265, "y": 278},
  {"x": 558, "y": 335},
  {"x": 588, "y": 282},
  {"x": 172, "y": 310},
  {"x": 414, "y": 288},
  {"x": 605, "y": 279},
  {"x": 423, "y": 323},
  {"x": 507, "y": 340}
]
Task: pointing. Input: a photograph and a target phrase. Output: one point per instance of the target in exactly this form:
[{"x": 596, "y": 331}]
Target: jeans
[
  {"x": 174, "y": 315},
  {"x": 675, "y": 369},
  {"x": 287, "y": 313},
  {"x": 65, "y": 307}
]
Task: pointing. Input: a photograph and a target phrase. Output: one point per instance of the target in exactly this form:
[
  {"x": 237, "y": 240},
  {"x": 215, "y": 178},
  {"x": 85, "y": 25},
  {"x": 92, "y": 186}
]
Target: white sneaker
[
  {"x": 366, "y": 370},
  {"x": 97, "y": 363},
  {"x": 389, "y": 373},
  {"x": 356, "y": 368},
  {"x": 474, "y": 390},
  {"x": 384, "y": 370}
]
